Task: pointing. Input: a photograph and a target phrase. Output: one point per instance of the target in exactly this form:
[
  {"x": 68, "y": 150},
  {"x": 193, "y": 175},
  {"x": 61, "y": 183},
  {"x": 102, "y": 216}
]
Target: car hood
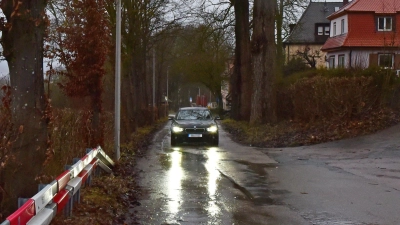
[{"x": 192, "y": 123}]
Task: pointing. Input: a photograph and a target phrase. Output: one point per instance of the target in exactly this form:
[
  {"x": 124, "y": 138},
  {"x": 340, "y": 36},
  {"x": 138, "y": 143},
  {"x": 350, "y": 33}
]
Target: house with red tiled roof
[
  {"x": 364, "y": 33},
  {"x": 310, "y": 33}
]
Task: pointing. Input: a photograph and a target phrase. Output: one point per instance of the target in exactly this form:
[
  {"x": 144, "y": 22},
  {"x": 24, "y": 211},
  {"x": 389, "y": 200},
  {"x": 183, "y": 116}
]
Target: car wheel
[
  {"x": 173, "y": 140},
  {"x": 215, "y": 142}
]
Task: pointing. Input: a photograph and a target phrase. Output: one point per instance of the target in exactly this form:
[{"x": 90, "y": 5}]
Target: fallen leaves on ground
[
  {"x": 107, "y": 201},
  {"x": 295, "y": 133}
]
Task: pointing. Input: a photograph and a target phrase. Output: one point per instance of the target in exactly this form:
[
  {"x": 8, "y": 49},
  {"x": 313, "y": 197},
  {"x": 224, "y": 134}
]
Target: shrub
[
  {"x": 67, "y": 137},
  {"x": 335, "y": 94},
  {"x": 7, "y": 132},
  {"x": 294, "y": 65},
  {"x": 327, "y": 98}
]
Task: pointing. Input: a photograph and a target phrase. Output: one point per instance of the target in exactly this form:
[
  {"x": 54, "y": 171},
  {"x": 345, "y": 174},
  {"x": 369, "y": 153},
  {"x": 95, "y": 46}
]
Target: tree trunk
[
  {"x": 269, "y": 102},
  {"x": 263, "y": 48},
  {"x": 259, "y": 51},
  {"x": 22, "y": 42},
  {"x": 279, "y": 41},
  {"x": 241, "y": 80}
]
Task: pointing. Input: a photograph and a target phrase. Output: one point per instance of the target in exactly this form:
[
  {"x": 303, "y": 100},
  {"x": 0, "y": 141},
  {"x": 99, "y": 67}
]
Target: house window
[
  {"x": 320, "y": 30},
  {"x": 385, "y": 24},
  {"x": 342, "y": 26},
  {"x": 331, "y": 62},
  {"x": 341, "y": 61},
  {"x": 385, "y": 60},
  {"x": 327, "y": 30},
  {"x": 334, "y": 28}
]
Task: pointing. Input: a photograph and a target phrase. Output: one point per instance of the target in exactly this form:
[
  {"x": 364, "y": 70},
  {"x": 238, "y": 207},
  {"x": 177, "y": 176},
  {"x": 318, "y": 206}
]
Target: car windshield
[{"x": 194, "y": 114}]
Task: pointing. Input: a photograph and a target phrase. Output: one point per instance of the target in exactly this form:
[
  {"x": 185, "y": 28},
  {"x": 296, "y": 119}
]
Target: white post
[
  {"x": 154, "y": 81},
  {"x": 166, "y": 103},
  {"x": 117, "y": 81},
  {"x": 167, "y": 84}
]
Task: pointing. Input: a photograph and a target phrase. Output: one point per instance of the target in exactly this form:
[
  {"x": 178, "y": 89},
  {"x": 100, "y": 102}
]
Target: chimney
[{"x": 345, "y": 2}]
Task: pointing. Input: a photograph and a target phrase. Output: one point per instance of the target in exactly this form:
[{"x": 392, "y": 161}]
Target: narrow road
[
  {"x": 353, "y": 181},
  {"x": 346, "y": 182},
  {"x": 194, "y": 184}
]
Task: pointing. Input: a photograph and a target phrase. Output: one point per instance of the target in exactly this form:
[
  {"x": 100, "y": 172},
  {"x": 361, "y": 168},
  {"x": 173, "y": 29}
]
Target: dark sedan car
[{"x": 194, "y": 124}]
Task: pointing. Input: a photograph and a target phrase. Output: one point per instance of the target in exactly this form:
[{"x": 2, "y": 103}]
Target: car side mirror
[
  {"x": 217, "y": 118},
  {"x": 171, "y": 117}
]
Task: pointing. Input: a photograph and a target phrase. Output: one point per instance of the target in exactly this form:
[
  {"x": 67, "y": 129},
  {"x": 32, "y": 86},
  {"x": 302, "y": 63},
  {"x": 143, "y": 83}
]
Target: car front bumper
[{"x": 188, "y": 137}]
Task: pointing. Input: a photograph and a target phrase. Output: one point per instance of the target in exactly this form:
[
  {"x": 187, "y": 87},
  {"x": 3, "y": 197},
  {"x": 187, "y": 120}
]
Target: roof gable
[
  {"x": 316, "y": 12},
  {"x": 365, "y": 12},
  {"x": 377, "y": 6}
]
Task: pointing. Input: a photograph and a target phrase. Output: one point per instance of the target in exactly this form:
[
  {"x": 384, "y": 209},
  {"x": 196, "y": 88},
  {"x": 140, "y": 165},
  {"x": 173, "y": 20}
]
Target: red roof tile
[
  {"x": 362, "y": 30},
  {"x": 378, "y": 6},
  {"x": 366, "y": 40},
  {"x": 334, "y": 42}
]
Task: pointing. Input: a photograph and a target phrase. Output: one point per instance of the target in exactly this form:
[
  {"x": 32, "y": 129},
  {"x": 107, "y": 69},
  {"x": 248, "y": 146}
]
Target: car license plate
[{"x": 195, "y": 135}]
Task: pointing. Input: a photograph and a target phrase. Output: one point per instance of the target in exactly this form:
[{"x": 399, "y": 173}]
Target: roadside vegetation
[
  {"x": 367, "y": 111},
  {"x": 322, "y": 105},
  {"x": 73, "y": 107},
  {"x": 109, "y": 197}
]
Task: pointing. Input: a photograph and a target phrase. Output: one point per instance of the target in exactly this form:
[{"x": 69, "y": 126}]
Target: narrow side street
[
  {"x": 345, "y": 182},
  {"x": 354, "y": 181}
]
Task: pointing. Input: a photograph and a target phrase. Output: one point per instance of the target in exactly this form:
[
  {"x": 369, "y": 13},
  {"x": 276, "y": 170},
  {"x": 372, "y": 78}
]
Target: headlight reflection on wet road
[
  {"x": 175, "y": 175},
  {"x": 213, "y": 175},
  {"x": 205, "y": 163}
]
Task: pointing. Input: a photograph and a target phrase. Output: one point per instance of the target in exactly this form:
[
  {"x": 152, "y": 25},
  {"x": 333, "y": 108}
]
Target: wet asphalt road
[
  {"x": 196, "y": 184},
  {"x": 334, "y": 183}
]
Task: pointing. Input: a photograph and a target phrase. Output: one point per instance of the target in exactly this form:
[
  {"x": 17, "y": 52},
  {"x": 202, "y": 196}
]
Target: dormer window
[
  {"x": 334, "y": 28},
  {"x": 322, "y": 29},
  {"x": 342, "y": 26},
  {"x": 327, "y": 29},
  {"x": 385, "y": 23}
]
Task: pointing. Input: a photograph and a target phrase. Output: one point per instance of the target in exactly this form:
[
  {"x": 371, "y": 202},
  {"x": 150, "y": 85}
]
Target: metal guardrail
[{"x": 62, "y": 193}]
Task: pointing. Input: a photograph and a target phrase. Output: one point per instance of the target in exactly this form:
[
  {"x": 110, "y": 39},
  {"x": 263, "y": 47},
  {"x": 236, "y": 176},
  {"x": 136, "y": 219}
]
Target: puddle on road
[
  {"x": 190, "y": 187},
  {"x": 325, "y": 218},
  {"x": 258, "y": 168},
  {"x": 175, "y": 175},
  {"x": 257, "y": 183},
  {"x": 179, "y": 164}
]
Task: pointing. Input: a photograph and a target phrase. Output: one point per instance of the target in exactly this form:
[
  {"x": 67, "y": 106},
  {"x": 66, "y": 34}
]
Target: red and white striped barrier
[{"x": 62, "y": 193}]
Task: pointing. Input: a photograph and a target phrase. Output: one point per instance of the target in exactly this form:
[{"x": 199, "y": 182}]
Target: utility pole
[
  {"x": 166, "y": 103},
  {"x": 167, "y": 83},
  {"x": 154, "y": 82},
  {"x": 117, "y": 109}
]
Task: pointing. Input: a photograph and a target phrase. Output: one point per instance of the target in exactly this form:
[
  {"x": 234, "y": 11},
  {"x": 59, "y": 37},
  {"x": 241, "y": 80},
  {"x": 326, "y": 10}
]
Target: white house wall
[
  {"x": 339, "y": 25},
  {"x": 291, "y": 52},
  {"x": 359, "y": 58}
]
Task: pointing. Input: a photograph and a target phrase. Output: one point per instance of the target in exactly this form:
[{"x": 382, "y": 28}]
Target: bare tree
[
  {"x": 201, "y": 55},
  {"x": 86, "y": 44},
  {"x": 287, "y": 12},
  {"x": 241, "y": 79},
  {"x": 263, "y": 105},
  {"x": 309, "y": 55},
  {"x": 23, "y": 30}
]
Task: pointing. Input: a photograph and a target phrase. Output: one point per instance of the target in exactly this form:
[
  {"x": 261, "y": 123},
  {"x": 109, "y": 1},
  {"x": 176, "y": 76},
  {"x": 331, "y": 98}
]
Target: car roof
[{"x": 189, "y": 108}]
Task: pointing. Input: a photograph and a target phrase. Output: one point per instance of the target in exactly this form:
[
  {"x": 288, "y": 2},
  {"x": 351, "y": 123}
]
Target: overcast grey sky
[{"x": 3, "y": 68}]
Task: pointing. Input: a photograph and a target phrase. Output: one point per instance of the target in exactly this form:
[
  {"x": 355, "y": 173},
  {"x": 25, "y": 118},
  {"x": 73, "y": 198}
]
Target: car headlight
[
  {"x": 176, "y": 129},
  {"x": 212, "y": 129}
]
